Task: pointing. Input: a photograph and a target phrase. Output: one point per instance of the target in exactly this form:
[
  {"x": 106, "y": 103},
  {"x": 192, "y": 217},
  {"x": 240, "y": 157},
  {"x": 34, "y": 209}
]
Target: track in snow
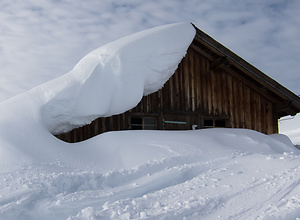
[{"x": 236, "y": 186}]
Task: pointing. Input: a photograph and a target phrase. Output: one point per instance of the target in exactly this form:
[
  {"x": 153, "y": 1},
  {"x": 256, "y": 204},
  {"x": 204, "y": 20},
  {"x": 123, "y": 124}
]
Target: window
[
  {"x": 149, "y": 123},
  {"x": 136, "y": 123},
  {"x": 208, "y": 123},
  {"x": 215, "y": 123},
  {"x": 143, "y": 123},
  {"x": 220, "y": 123}
]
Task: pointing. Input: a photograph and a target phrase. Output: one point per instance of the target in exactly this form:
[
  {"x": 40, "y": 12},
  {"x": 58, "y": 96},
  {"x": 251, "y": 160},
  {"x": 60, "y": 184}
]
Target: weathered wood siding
[{"x": 198, "y": 89}]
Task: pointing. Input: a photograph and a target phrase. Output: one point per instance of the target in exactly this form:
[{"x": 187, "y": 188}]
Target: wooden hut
[{"x": 212, "y": 87}]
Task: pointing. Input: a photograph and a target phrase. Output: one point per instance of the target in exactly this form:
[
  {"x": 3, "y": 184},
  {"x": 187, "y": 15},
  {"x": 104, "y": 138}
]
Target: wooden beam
[
  {"x": 202, "y": 52},
  {"x": 219, "y": 62},
  {"x": 283, "y": 106}
]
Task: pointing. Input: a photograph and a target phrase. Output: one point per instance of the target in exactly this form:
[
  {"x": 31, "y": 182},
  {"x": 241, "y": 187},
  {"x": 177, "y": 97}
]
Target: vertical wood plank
[
  {"x": 209, "y": 88},
  {"x": 225, "y": 94},
  {"x": 231, "y": 100},
  {"x": 213, "y": 93},
  {"x": 247, "y": 107},
  {"x": 171, "y": 93},
  {"x": 263, "y": 115},
  {"x": 219, "y": 92},
  {"x": 253, "y": 106},
  {"x": 269, "y": 112},
  {"x": 204, "y": 87},
  {"x": 275, "y": 119},
  {"x": 198, "y": 82},
  {"x": 176, "y": 91},
  {"x": 186, "y": 81},
  {"x": 192, "y": 80},
  {"x": 241, "y": 107},
  {"x": 236, "y": 94}
]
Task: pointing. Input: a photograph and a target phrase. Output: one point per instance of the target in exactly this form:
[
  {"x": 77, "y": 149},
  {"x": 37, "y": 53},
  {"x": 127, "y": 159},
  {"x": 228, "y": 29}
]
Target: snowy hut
[{"x": 212, "y": 87}]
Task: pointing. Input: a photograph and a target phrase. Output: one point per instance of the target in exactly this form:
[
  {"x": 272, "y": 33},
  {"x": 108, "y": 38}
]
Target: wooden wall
[{"x": 198, "y": 89}]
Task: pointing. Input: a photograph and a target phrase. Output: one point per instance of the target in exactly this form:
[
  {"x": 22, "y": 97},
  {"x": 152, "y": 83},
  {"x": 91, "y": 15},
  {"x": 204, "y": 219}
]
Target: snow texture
[
  {"x": 197, "y": 174},
  {"x": 202, "y": 174}
]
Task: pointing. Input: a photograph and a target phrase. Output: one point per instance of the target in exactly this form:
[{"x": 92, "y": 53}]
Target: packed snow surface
[{"x": 201, "y": 174}]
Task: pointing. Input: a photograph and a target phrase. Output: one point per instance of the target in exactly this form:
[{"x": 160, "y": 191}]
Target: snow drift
[{"x": 109, "y": 80}]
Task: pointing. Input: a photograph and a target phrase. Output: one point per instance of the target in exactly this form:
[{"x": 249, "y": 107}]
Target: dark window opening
[
  {"x": 208, "y": 123},
  {"x": 136, "y": 120},
  {"x": 215, "y": 123},
  {"x": 220, "y": 123},
  {"x": 143, "y": 123}
]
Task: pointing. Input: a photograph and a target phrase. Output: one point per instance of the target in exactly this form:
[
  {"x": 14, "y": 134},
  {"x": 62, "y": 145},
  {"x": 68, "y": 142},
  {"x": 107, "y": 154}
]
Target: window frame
[{"x": 145, "y": 124}]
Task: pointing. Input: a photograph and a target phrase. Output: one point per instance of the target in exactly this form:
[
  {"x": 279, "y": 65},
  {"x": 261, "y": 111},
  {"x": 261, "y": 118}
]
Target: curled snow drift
[{"x": 113, "y": 78}]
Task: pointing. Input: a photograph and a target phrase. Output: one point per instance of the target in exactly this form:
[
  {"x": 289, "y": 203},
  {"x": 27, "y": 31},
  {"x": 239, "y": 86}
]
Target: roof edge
[{"x": 268, "y": 82}]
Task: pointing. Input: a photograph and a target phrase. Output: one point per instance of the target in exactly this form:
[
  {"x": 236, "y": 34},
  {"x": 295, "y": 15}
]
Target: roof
[{"x": 287, "y": 102}]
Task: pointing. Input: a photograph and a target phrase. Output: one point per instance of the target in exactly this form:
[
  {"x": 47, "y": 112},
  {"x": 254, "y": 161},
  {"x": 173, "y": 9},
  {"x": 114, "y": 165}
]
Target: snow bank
[
  {"x": 139, "y": 147},
  {"x": 202, "y": 174}
]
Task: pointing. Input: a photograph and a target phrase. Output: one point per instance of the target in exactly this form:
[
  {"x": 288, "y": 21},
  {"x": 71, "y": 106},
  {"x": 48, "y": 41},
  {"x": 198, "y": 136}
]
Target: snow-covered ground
[{"x": 201, "y": 174}]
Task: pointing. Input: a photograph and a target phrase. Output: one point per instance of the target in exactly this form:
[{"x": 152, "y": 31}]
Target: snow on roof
[{"x": 112, "y": 79}]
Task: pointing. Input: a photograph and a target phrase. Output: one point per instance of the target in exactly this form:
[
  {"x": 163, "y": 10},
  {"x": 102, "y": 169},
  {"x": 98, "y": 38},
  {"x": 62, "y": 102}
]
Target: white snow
[
  {"x": 197, "y": 174},
  {"x": 202, "y": 174},
  {"x": 290, "y": 126}
]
